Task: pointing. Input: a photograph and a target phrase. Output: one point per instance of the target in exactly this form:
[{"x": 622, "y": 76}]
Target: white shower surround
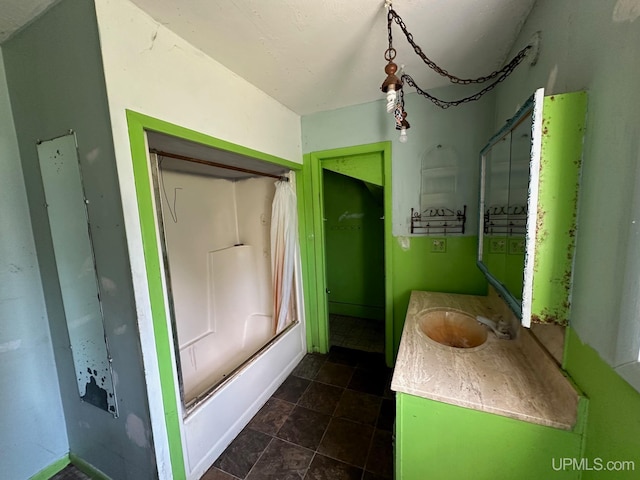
[
  {"x": 217, "y": 243},
  {"x": 217, "y": 235}
]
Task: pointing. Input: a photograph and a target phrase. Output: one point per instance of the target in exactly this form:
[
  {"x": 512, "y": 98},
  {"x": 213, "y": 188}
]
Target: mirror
[
  {"x": 520, "y": 156},
  {"x": 496, "y": 196},
  {"x": 528, "y": 215},
  {"x": 504, "y": 203},
  {"x": 75, "y": 263}
]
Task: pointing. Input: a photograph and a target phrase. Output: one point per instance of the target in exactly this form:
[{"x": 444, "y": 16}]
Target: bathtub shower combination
[
  {"x": 235, "y": 326},
  {"x": 218, "y": 250},
  {"x": 230, "y": 353}
]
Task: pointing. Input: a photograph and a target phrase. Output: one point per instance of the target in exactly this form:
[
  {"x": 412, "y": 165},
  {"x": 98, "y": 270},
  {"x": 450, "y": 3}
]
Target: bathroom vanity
[
  {"x": 468, "y": 403},
  {"x": 502, "y": 409}
]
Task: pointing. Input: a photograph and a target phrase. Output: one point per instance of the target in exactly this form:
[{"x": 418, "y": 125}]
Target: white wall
[
  {"x": 31, "y": 419},
  {"x": 151, "y": 70},
  {"x": 593, "y": 46}
]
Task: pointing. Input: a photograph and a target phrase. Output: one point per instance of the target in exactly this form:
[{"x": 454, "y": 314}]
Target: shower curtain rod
[{"x": 215, "y": 164}]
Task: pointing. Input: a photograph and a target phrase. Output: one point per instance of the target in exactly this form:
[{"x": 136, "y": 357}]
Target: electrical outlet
[
  {"x": 438, "y": 245},
  {"x": 497, "y": 245},
  {"x": 516, "y": 246}
]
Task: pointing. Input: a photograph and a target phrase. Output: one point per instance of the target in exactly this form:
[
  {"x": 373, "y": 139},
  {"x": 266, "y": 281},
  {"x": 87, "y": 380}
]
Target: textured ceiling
[{"x": 314, "y": 55}]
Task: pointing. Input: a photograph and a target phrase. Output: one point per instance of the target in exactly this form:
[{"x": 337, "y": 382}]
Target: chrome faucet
[{"x": 501, "y": 328}]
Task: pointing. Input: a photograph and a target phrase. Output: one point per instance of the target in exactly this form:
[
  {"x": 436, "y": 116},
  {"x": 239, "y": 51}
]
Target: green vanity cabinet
[{"x": 439, "y": 441}]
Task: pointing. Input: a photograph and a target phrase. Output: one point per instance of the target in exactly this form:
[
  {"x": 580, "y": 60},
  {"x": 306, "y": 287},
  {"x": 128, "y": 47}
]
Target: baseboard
[
  {"x": 87, "y": 468},
  {"x": 48, "y": 472}
]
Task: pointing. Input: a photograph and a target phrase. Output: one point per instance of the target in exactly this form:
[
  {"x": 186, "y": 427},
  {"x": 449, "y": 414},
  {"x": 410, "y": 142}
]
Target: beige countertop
[{"x": 514, "y": 378}]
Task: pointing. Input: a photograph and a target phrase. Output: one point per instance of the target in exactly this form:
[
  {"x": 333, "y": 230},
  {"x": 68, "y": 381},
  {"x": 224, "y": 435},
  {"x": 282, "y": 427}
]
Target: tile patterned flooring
[
  {"x": 70, "y": 472},
  {"x": 356, "y": 333},
  {"x": 332, "y": 419}
]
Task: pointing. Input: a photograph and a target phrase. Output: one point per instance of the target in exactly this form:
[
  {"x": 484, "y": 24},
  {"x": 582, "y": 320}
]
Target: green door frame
[
  {"x": 318, "y": 325},
  {"x": 137, "y": 125}
]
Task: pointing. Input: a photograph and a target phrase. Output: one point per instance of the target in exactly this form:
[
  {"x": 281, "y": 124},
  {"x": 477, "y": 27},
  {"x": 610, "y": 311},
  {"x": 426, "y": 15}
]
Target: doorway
[
  {"x": 352, "y": 281},
  {"x": 354, "y": 248}
]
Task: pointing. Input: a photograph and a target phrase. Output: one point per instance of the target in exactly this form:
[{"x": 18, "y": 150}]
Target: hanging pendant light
[
  {"x": 404, "y": 125},
  {"x": 401, "y": 119},
  {"x": 393, "y": 84}
]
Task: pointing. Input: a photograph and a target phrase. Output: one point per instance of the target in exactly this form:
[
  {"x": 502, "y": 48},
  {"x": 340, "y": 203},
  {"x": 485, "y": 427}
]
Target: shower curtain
[{"x": 284, "y": 251}]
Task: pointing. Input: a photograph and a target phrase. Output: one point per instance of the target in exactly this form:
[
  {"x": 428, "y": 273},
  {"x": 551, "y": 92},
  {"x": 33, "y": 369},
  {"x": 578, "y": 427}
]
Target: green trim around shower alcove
[
  {"x": 137, "y": 125},
  {"x": 370, "y": 163}
]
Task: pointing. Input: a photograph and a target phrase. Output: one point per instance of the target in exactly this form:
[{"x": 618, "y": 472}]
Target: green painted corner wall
[
  {"x": 416, "y": 267},
  {"x": 613, "y": 422}
]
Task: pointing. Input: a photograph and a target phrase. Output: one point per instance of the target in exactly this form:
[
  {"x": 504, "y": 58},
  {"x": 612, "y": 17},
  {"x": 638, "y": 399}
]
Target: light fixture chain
[
  {"x": 446, "y": 104},
  {"x": 389, "y": 20},
  {"x": 392, "y": 15}
]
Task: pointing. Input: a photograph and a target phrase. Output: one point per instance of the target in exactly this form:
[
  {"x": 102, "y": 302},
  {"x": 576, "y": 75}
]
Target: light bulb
[
  {"x": 403, "y": 135},
  {"x": 391, "y": 98}
]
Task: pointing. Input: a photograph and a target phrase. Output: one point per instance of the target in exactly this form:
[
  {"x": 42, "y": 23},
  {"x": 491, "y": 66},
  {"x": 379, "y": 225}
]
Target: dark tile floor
[
  {"x": 332, "y": 419},
  {"x": 70, "y": 472},
  {"x": 357, "y": 333}
]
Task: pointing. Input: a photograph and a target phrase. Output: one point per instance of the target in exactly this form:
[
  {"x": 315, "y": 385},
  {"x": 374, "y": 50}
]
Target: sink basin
[{"x": 452, "y": 328}]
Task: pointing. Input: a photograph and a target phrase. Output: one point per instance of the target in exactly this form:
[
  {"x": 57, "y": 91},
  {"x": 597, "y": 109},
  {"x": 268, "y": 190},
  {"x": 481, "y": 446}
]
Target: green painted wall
[
  {"x": 514, "y": 269},
  {"x": 614, "y": 410},
  {"x": 438, "y": 441},
  {"x": 417, "y": 268},
  {"x": 55, "y": 80},
  {"x": 501, "y": 255},
  {"x": 354, "y": 247}
]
